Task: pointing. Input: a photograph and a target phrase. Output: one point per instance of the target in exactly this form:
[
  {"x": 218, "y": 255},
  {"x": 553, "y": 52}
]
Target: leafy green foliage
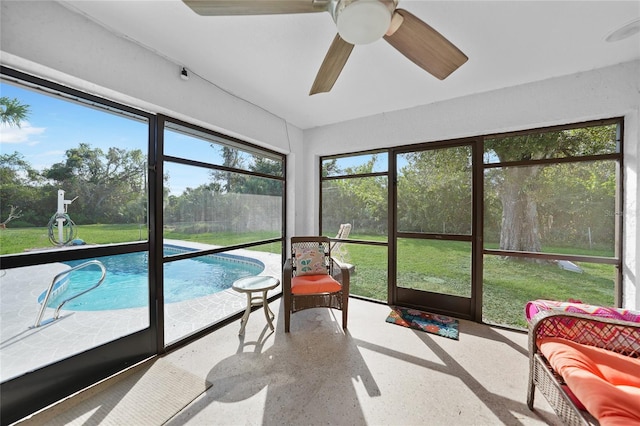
[
  {"x": 533, "y": 197},
  {"x": 22, "y": 186},
  {"x": 233, "y": 182},
  {"x": 361, "y": 200},
  {"x": 110, "y": 186},
  {"x": 576, "y": 142},
  {"x": 434, "y": 191},
  {"x": 12, "y": 112}
]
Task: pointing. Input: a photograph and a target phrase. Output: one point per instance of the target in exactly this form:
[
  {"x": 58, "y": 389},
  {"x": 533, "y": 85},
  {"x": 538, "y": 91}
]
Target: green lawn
[
  {"x": 16, "y": 240},
  {"x": 441, "y": 266}
]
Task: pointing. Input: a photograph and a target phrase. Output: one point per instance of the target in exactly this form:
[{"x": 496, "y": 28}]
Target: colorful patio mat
[{"x": 431, "y": 323}]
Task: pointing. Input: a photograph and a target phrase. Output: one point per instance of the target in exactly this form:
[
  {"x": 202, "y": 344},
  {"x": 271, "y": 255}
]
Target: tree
[
  {"x": 518, "y": 186},
  {"x": 107, "y": 184},
  {"x": 362, "y": 201},
  {"x": 12, "y": 112},
  {"x": 21, "y": 184},
  {"x": 576, "y": 204},
  {"x": 233, "y": 159},
  {"x": 434, "y": 191},
  {"x": 261, "y": 185},
  {"x": 16, "y": 170},
  {"x": 330, "y": 168},
  {"x": 232, "y": 182},
  {"x": 15, "y": 213}
]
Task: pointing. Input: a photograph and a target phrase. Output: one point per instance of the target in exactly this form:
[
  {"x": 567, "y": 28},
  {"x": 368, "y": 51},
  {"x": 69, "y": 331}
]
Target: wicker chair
[
  {"x": 313, "y": 279},
  {"x": 615, "y": 335}
]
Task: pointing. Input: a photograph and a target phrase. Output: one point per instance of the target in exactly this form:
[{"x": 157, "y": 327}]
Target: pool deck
[{"x": 24, "y": 348}]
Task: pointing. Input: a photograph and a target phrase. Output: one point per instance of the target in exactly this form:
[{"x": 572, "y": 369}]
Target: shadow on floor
[{"x": 308, "y": 373}]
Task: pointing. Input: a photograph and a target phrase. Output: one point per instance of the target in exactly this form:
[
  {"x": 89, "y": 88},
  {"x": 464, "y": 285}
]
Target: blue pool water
[{"x": 126, "y": 283}]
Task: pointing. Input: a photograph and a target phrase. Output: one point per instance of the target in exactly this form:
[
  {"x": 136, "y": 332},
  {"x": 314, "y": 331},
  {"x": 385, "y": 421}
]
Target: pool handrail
[{"x": 56, "y": 314}]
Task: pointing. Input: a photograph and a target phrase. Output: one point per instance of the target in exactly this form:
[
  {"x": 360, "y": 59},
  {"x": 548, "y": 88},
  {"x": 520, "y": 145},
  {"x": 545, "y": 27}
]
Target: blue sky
[{"x": 55, "y": 125}]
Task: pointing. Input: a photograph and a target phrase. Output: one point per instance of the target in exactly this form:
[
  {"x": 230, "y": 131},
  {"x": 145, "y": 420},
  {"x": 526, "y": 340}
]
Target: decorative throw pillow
[{"x": 310, "y": 261}]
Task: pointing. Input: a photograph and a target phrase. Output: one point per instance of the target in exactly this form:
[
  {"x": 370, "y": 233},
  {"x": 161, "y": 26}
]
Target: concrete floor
[{"x": 374, "y": 374}]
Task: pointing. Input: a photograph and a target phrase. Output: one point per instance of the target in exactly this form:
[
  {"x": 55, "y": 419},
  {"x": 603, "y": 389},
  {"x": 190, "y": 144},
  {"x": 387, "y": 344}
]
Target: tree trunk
[{"x": 520, "y": 228}]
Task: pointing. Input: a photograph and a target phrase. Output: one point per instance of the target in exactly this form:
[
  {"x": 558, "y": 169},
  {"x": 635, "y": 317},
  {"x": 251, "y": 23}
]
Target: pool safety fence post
[
  {"x": 60, "y": 214},
  {"x": 60, "y": 217}
]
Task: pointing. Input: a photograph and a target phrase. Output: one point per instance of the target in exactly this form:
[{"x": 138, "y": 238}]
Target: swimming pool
[{"x": 126, "y": 284}]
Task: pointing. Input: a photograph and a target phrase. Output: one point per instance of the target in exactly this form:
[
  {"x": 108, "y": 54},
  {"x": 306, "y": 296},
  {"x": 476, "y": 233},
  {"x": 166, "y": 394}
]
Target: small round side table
[{"x": 251, "y": 285}]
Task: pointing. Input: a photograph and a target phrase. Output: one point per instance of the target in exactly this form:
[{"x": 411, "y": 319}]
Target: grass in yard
[
  {"x": 17, "y": 240},
  {"x": 441, "y": 266},
  {"x": 436, "y": 266},
  {"x": 508, "y": 285},
  {"x": 370, "y": 277}
]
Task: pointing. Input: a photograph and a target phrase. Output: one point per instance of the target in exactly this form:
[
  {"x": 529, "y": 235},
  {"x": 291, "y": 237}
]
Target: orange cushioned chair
[{"x": 312, "y": 279}]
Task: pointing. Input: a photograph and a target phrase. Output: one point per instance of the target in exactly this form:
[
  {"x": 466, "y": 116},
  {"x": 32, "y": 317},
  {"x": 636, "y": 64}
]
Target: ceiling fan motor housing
[
  {"x": 362, "y": 21},
  {"x": 358, "y": 22}
]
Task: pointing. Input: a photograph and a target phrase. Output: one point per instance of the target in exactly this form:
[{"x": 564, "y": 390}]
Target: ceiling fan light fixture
[{"x": 363, "y": 21}]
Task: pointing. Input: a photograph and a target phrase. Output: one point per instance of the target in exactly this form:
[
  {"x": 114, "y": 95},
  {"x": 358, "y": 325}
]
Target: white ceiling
[{"x": 271, "y": 61}]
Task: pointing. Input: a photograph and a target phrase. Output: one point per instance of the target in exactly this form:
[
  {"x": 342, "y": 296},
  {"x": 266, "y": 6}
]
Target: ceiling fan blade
[
  {"x": 426, "y": 47},
  {"x": 332, "y": 65},
  {"x": 255, "y": 7}
]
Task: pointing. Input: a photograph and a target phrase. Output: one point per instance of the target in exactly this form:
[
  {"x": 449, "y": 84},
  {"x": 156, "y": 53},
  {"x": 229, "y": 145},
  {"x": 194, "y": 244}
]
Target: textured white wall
[
  {"x": 47, "y": 40},
  {"x": 603, "y": 93}
]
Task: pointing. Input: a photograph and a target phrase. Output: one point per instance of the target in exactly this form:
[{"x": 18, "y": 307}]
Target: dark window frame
[
  {"x": 478, "y": 212},
  {"x": 234, "y": 142},
  {"x": 36, "y": 389}
]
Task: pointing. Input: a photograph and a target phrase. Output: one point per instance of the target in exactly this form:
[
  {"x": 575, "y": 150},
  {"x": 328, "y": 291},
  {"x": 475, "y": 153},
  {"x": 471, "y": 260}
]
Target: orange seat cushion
[
  {"x": 312, "y": 284},
  {"x": 605, "y": 382}
]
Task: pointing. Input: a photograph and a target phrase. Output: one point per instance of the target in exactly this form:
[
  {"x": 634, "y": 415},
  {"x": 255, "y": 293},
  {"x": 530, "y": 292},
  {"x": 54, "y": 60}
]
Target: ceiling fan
[{"x": 358, "y": 22}]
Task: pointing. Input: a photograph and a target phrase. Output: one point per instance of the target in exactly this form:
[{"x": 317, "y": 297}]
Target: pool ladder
[{"x": 47, "y": 296}]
